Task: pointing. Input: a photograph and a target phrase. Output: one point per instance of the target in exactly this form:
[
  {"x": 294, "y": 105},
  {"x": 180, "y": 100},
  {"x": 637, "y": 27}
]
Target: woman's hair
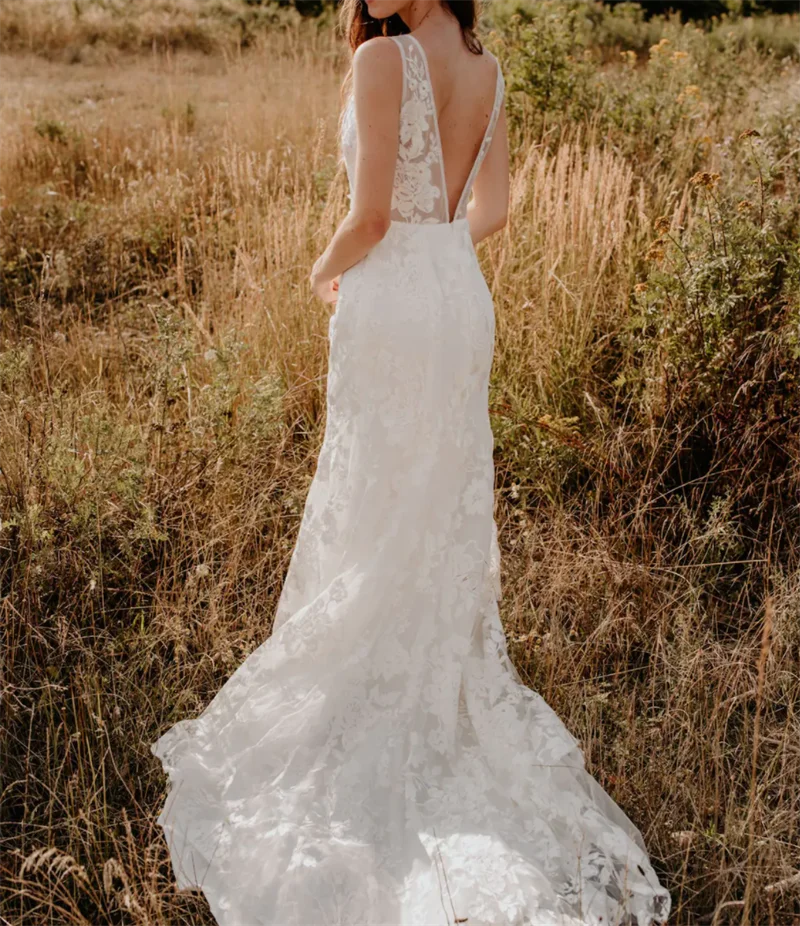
[{"x": 358, "y": 25}]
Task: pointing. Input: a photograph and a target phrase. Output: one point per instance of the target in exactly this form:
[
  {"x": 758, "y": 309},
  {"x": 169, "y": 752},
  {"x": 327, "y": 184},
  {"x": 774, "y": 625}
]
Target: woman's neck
[{"x": 419, "y": 10}]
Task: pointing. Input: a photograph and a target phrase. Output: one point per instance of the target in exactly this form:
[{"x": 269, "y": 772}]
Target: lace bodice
[{"x": 420, "y": 189}]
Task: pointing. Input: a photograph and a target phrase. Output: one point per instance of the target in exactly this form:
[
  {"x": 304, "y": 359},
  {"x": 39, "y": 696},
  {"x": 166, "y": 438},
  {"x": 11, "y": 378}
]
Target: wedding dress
[{"x": 378, "y": 760}]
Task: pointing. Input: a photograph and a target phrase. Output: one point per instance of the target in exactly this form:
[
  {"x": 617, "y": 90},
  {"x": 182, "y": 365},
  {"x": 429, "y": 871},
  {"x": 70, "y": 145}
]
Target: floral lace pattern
[
  {"x": 419, "y": 193},
  {"x": 377, "y": 761}
]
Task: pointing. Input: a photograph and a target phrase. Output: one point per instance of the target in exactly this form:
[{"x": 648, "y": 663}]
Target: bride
[{"x": 378, "y": 760}]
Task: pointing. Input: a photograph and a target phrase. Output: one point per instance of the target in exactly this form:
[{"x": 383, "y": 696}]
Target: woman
[{"x": 378, "y": 760}]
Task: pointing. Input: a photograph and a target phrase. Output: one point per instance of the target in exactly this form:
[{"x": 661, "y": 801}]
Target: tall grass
[{"x": 162, "y": 382}]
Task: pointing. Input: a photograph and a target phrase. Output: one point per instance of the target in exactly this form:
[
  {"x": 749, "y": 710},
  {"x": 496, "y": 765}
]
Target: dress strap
[{"x": 499, "y": 94}]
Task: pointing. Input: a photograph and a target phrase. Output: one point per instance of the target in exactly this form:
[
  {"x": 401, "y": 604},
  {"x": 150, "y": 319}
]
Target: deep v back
[
  {"x": 418, "y": 88},
  {"x": 419, "y": 194}
]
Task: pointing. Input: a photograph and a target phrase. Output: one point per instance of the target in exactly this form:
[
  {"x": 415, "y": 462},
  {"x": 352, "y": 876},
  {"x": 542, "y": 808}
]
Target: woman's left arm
[{"x": 377, "y": 90}]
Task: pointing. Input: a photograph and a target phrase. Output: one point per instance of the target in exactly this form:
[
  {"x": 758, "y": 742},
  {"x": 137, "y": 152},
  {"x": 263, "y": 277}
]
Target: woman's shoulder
[
  {"x": 378, "y": 70},
  {"x": 498, "y": 68},
  {"x": 490, "y": 56},
  {"x": 379, "y": 55}
]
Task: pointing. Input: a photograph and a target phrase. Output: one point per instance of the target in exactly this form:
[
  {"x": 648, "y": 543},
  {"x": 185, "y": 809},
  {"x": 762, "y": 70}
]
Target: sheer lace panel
[{"x": 419, "y": 193}]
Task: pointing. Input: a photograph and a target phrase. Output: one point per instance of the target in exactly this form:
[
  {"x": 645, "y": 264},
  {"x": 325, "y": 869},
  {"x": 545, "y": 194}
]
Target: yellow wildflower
[
  {"x": 661, "y": 46},
  {"x": 690, "y": 92},
  {"x": 705, "y": 179}
]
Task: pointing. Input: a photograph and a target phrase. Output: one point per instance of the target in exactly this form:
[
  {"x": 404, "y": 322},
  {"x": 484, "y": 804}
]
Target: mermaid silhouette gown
[{"x": 378, "y": 760}]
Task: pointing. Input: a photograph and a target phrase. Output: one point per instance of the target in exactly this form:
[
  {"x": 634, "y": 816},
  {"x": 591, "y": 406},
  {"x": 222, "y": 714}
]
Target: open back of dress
[
  {"x": 420, "y": 188},
  {"x": 377, "y": 760}
]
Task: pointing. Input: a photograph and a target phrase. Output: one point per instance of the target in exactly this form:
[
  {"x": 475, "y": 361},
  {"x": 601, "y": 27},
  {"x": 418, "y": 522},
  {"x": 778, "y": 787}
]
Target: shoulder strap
[{"x": 499, "y": 94}]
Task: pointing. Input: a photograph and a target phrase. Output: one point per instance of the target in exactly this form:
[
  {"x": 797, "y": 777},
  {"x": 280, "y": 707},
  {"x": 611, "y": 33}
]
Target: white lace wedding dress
[{"x": 377, "y": 760}]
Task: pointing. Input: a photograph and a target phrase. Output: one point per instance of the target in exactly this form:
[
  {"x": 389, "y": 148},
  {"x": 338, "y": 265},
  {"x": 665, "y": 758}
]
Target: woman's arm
[
  {"x": 487, "y": 211},
  {"x": 377, "y": 91}
]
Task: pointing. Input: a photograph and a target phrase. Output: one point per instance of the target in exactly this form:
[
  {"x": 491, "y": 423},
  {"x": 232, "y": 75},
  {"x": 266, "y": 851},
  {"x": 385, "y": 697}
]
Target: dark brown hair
[{"x": 358, "y": 25}]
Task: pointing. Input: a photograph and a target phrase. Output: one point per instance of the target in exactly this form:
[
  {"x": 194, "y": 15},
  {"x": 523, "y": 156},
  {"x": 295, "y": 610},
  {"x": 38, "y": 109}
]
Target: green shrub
[
  {"x": 711, "y": 365},
  {"x": 548, "y": 66}
]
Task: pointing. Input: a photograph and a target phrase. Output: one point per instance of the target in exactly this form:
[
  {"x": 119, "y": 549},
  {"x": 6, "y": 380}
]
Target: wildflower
[
  {"x": 661, "y": 225},
  {"x": 656, "y": 250},
  {"x": 202, "y": 570},
  {"x": 629, "y": 57},
  {"x": 679, "y": 55},
  {"x": 750, "y": 133},
  {"x": 744, "y": 205},
  {"x": 640, "y": 288},
  {"x": 704, "y": 178},
  {"x": 692, "y": 90},
  {"x": 210, "y": 355},
  {"x": 657, "y": 49}
]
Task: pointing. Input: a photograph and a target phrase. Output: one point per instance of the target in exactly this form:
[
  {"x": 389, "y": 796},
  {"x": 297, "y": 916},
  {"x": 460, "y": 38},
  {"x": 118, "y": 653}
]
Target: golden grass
[
  {"x": 97, "y": 31},
  {"x": 574, "y": 218},
  {"x": 161, "y": 406}
]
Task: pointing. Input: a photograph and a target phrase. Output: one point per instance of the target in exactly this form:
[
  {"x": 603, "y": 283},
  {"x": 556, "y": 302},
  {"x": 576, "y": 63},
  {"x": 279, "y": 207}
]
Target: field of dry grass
[{"x": 162, "y": 384}]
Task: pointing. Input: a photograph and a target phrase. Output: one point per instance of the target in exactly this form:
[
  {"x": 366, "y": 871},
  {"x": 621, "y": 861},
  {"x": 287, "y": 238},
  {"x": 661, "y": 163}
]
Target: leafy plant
[
  {"x": 548, "y": 65},
  {"x": 713, "y": 353}
]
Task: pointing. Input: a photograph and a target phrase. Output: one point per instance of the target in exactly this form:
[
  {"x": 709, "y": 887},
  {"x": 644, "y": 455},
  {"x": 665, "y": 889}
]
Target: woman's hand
[{"x": 327, "y": 290}]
